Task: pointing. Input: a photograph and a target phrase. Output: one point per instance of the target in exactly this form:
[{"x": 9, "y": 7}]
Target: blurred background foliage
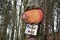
[{"x": 12, "y": 26}]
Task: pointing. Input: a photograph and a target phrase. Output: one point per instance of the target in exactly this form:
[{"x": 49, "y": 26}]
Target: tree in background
[{"x": 4, "y": 15}]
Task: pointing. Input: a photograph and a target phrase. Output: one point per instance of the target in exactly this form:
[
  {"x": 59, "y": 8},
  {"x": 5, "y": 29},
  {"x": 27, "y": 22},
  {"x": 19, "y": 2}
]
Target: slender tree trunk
[{"x": 14, "y": 20}]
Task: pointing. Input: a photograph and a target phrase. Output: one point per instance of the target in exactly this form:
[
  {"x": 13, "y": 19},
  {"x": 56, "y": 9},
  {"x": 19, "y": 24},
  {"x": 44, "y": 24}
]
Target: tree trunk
[
  {"x": 4, "y": 12},
  {"x": 14, "y": 20},
  {"x": 48, "y": 18}
]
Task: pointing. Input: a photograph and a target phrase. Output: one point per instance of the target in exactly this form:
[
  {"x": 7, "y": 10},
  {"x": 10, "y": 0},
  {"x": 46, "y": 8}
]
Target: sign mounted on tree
[
  {"x": 33, "y": 16},
  {"x": 31, "y": 29}
]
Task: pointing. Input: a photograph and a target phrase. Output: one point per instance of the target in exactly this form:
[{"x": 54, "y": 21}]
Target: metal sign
[{"x": 31, "y": 29}]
